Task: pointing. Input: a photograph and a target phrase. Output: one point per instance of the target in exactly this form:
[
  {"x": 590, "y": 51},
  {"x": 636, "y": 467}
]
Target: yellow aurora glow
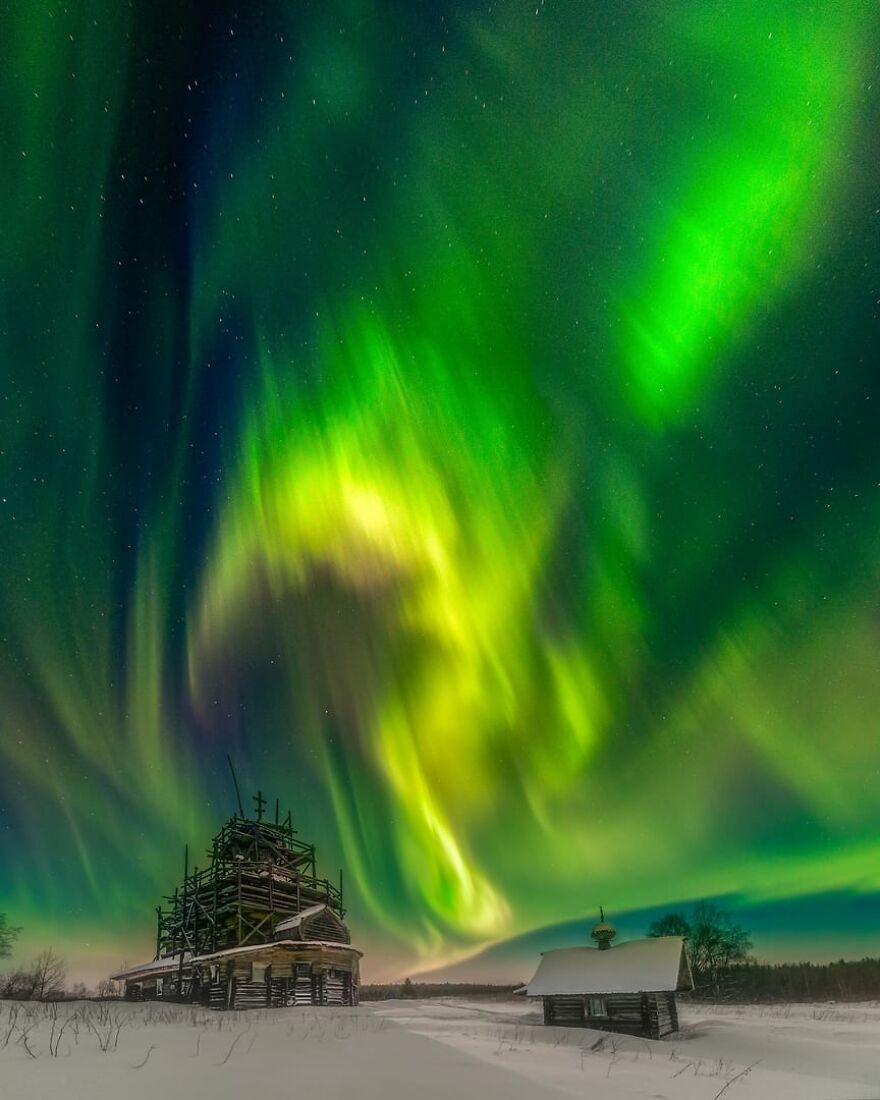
[{"x": 477, "y": 442}]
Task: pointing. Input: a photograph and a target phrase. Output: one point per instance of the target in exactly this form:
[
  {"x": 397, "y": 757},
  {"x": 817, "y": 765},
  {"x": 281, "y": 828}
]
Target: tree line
[
  {"x": 723, "y": 970},
  {"x": 409, "y": 989}
]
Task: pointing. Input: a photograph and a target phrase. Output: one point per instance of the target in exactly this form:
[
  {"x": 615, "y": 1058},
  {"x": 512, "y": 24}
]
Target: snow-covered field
[{"x": 397, "y": 1050}]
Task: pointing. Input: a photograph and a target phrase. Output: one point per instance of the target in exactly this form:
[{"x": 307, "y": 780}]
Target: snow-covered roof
[
  {"x": 637, "y": 966},
  {"x": 253, "y": 947},
  {"x": 150, "y": 969},
  {"x": 296, "y": 921},
  {"x": 172, "y": 962}
]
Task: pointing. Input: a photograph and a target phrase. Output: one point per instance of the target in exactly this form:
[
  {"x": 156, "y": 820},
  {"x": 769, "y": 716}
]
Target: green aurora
[{"x": 465, "y": 417}]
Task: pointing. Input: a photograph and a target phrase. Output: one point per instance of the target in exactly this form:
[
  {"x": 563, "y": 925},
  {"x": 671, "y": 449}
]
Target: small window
[
  {"x": 596, "y": 1006},
  {"x": 259, "y": 972},
  {"x": 303, "y": 970}
]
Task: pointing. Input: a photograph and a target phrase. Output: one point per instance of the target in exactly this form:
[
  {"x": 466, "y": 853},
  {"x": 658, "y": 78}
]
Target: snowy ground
[
  {"x": 398, "y": 1050},
  {"x": 777, "y": 1052}
]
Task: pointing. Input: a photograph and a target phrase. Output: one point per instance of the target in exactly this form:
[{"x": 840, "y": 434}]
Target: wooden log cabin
[
  {"x": 629, "y": 988},
  {"x": 256, "y": 928}
]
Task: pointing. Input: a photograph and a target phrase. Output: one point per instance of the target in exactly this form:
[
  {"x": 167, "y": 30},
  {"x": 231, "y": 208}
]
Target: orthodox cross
[{"x": 261, "y": 804}]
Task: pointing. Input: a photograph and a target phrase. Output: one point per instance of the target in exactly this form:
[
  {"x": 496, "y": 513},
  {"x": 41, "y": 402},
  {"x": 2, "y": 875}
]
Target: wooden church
[
  {"x": 629, "y": 988},
  {"x": 256, "y": 928}
]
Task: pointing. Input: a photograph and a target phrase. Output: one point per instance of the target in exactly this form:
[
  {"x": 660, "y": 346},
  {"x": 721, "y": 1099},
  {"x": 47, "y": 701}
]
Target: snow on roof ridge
[
  {"x": 156, "y": 966},
  {"x": 274, "y": 943},
  {"x": 298, "y": 918},
  {"x": 172, "y": 962}
]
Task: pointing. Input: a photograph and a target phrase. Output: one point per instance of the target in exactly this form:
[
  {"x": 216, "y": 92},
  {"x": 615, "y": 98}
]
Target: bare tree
[
  {"x": 48, "y": 972},
  {"x": 714, "y": 942},
  {"x": 671, "y": 924},
  {"x": 16, "y": 985},
  {"x": 8, "y": 936},
  {"x": 108, "y": 990}
]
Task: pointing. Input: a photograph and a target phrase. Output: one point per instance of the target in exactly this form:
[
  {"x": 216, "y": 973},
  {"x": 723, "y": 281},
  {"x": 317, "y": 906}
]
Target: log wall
[
  {"x": 650, "y": 1014},
  {"x": 273, "y": 976}
]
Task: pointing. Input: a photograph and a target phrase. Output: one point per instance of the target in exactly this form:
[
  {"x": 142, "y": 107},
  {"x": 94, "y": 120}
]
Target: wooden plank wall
[
  {"x": 324, "y": 927},
  {"x": 318, "y": 989},
  {"x": 673, "y": 1010},
  {"x": 661, "y": 1017},
  {"x": 564, "y": 1011},
  {"x": 650, "y": 1014},
  {"x": 296, "y": 984},
  {"x": 334, "y": 990},
  {"x": 251, "y": 995},
  {"x": 626, "y": 1013}
]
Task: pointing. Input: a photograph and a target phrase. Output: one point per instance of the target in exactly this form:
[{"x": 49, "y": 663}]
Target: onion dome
[{"x": 603, "y": 932}]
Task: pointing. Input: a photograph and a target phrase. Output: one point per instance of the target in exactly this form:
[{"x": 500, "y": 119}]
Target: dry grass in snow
[{"x": 399, "y": 1050}]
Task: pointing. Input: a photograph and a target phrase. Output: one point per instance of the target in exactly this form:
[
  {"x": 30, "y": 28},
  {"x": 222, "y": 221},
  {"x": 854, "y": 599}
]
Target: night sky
[{"x": 465, "y": 416}]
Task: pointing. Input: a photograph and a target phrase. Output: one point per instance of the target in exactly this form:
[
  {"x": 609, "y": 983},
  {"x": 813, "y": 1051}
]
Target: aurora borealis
[{"x": 465, "y": 416}]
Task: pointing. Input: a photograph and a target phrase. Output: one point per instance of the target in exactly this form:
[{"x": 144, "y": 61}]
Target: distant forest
[
  {"x": 752, "y": 982},
  {"x": 744, "y": 983},
  {"x": 416, "y": 990}
]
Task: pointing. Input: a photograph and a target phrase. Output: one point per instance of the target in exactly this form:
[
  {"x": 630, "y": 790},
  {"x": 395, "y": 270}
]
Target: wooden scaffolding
[
  {"x": 259, "y": 874},
  {"x": 256, "y": 927}
]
